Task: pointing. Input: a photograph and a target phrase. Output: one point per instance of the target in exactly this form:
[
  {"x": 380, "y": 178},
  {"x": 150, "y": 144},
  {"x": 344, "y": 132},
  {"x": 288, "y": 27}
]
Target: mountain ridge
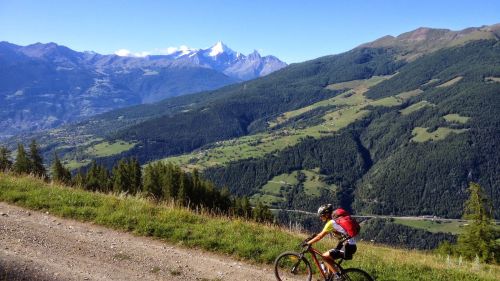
[{"x": 47, "y": 85}]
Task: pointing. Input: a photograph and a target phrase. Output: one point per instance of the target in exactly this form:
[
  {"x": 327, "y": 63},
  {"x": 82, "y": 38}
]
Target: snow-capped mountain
[
  {"x": 223, "y": 59},
  {"x": 47, "y": 85}
]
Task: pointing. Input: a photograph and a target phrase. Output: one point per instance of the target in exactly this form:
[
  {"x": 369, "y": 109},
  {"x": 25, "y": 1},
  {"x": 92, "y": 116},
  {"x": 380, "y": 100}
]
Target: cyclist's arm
[{"x": 318, "y": 237}]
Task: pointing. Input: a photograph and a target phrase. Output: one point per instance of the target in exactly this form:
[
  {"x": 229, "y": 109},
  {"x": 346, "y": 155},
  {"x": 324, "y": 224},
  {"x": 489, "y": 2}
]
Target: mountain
[
  {"x": 425, "y": 40},
  {"x": 393, "y": 129},
  {"x": 233, "y": 64},
  {"x": 43, "y": 86}
]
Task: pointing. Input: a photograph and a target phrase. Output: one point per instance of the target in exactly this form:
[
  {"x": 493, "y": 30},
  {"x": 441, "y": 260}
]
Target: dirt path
[{"x": 39, "y": 246}]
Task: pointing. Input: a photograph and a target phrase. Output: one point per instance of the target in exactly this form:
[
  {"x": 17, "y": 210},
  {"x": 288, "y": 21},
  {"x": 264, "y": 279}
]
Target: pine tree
[
  {"x": 37, "y": 161},
  {"x": 104, "y": 179},
  {"x": 59, "y": 172},
  {"x": 261, "y": 213},
  {"x": 121, "y": 177},
  {"x": 22, "y": 165},
  {"x": 478, "y": 238},
  {"x": 182, "y": 192},
  {"x": 79, "y": 179},
  {"x": 246, "y": 208},
  {"x": 93, "y": 178},
  {"x": 153, "y": 181},
  {"x": 136, "y": 173},
  {"x": 5, "y": 163}
]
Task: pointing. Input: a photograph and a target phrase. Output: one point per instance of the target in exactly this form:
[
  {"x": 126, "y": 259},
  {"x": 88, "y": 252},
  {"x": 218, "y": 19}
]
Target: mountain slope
[
  {"x": 363, "y": 129},
  {"x": 45, "y": 85}
]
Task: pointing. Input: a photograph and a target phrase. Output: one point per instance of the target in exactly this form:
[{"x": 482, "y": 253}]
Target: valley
[{"x": 367, "y": 129}]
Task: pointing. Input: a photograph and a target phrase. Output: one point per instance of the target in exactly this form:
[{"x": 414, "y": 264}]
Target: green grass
[
  {"x": 104, "y": 149},
  {"x": 436, "y": 225},
  {"x": 351, "y": 108},
  {"x": 75, "y": 164},
  {"x": 365, "y": 83},
  {"x": 422, "y": 134},
  {"x": 91, "y": 148},
  {"x": 274, "y": 191},
  {"x": 430, "y": 82},
  {"x": 450, "y": 82},
  {"x": 453, "y": 227},
  {"x": 409, "y": 94},
  {"x": 415, "y": 107},
  {"x": 240, "y": 239},
  {"x": 456, "y": 118}
]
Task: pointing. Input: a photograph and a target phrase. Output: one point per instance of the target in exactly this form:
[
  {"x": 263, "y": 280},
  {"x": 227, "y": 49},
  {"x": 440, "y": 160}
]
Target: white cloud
[
  {"x": 183, "y": 50},
  {"x": 127, "y": 53},
  {"x": 142, "y": 54},
  {"x": 123, "y": 53},
  {"x": 171, "y": 50}
]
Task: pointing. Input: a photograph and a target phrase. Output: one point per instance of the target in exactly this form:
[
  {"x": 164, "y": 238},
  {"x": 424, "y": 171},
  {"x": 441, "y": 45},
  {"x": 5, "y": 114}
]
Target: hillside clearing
[
  {"x": 456, "y": 118},
  {"x": 450, "y": 82},
  {"x": 422, "y": 134}
]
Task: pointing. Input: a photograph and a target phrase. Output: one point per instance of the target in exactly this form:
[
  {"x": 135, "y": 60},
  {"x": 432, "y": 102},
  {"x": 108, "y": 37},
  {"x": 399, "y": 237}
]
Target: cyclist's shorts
[{"x": 345, "y": 253}]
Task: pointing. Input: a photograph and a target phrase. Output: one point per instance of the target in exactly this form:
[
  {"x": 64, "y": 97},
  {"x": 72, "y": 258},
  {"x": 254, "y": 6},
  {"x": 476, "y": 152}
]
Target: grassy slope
[
  {"x": 241, "y": 239},
  {"x": 350, "y": 109},
  {"x": 274, "y": 191},
  {"x": 433, "y": 226}
]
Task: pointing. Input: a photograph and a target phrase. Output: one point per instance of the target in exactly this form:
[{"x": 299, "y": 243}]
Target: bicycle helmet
[{"x": 325, "y": 209}]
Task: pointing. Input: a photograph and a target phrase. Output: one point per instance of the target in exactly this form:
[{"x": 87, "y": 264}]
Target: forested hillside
[
  {"x": 365, "y": 129},
  {"x": 392, "y": 166}
]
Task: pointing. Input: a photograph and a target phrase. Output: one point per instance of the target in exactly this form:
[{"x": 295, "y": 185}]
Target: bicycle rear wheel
[
  {"x": 290, "y": 266},
  {"x": 355, "y": 274}
]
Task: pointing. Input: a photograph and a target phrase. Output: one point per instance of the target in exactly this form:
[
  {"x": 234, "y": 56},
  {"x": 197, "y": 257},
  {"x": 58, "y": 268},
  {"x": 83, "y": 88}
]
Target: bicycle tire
[
  {"x": 355, "y": 274},
  {"x": 290, "y": 266}
]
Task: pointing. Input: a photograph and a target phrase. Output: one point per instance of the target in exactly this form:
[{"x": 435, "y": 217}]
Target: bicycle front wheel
[
  {"x": 290, "y": 266},
  {"x": 355, "y": 274}
]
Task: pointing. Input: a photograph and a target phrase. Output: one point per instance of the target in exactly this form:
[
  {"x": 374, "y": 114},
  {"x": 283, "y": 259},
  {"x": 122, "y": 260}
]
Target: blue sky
[{"x": 292, "y": 30}]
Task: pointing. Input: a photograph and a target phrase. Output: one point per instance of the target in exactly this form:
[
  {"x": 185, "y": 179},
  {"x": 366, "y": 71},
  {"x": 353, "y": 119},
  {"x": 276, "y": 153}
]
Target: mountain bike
[{"x": 294, "y": 266}]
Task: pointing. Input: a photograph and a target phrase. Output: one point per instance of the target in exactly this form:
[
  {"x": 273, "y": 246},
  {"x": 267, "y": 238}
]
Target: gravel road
[{"x": 39, "y": 246}]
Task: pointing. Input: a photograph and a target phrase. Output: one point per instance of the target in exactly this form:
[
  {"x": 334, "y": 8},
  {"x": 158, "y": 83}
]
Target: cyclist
[{"x": 344, "y": 250}]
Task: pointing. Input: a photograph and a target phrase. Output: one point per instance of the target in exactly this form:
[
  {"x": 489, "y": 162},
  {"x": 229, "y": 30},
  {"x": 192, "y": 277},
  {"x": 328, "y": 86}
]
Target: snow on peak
[{"x": 218, "y": 49}]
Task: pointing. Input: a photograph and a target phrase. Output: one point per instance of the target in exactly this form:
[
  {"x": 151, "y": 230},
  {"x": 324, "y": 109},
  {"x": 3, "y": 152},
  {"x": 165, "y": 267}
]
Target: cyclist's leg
[{"x": 329, "y": 257}]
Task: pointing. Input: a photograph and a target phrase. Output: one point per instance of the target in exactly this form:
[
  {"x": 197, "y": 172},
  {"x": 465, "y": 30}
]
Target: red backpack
[{"x": 346, "y": 221}]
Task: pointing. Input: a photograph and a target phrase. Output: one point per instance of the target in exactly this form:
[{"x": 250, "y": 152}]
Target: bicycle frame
[{"x": 315, "y": 252}]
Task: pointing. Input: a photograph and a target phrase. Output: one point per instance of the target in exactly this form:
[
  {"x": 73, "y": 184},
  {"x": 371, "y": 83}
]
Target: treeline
[{"x": 159, "y": 181}]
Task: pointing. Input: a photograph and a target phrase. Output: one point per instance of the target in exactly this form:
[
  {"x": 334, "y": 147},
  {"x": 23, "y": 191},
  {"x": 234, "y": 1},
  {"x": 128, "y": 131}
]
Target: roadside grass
[
  {"x": 422, "y": 134},
  {"x": 456, "y": 118},
  {"x": 238, "y": 238}
]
